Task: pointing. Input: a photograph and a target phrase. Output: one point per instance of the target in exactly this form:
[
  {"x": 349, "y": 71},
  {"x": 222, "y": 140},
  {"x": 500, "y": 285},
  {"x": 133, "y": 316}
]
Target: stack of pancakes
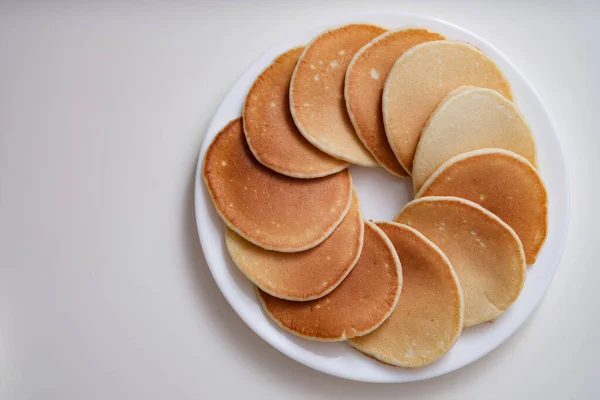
[{"x": 422, "y": 107}]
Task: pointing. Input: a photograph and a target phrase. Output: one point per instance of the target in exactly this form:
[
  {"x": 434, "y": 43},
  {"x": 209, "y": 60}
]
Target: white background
[{"x": 104, "y": 292}]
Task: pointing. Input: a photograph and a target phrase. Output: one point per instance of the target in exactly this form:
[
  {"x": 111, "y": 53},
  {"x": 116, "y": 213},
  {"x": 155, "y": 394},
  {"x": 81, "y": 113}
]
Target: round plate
[{"x": 381, "y": 196}]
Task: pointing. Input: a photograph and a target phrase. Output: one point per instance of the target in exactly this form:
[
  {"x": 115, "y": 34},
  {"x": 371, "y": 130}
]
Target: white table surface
[{"x": 104, "y": 292}]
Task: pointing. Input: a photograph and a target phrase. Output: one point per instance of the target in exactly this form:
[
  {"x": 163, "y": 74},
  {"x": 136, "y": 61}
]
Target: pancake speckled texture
[
  {"x": 420, "y": 80},
  {"x": 502, "y": 182},
  {"x": 470, "y": 118},
  {"x": 271, "y": 210},
  {"x": 429, "y": 316},
  {"x": 306, "y": 275},
  {"x": 485, "y": 252},
  {"x": 270, "y": 130},
  {"x": 364, "y": 82},
  {"x": 357, "y": 306},
  {"x": 317, "y": 92}
]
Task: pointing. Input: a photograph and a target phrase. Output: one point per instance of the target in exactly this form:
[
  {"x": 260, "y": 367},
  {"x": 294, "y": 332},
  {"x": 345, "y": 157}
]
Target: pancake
[
  {"x": 484, "y": 251},
  {"x": 270, "y": 131},
  {"x": 429, "y": 316},
  {"x": 420, "y": 80},
  {"x": 271, "y": 210},
  {"x": 317, "y": 92},
  {"x": 471, "y": 118},
  {"x": 363, "y": 88},
  {"x": 306, "y": 275},
  {"x": 502, "y": 182},
  {"x": 357, "y": 306}
]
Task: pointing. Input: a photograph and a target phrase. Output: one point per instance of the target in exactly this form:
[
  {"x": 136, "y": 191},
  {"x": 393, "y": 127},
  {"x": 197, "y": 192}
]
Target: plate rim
[{"x": 364, "y": 17}]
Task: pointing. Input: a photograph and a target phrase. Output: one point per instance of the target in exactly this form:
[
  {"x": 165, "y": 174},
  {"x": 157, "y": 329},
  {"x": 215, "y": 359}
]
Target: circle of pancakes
[
  {"x": 363, "y": 88},
  {"x": 306, "y": 275},
  {"x": 421, "y": 78},
  {"x": 429, "y": 316},
  {"x": 502, "y": 182},
  {"x": 356, "y": 307},
  {"x": 485, "y": 252},
  {"x": 470, "y": 118},
  {"x": 436, "y": 110},
  {"x": 317, "y": 92},
  {"x": 271, "y": 210},
  {"x": 270, "y": 130}
]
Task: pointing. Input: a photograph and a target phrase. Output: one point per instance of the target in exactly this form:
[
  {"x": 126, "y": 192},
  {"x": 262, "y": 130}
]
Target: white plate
[{"x": 382, "y": 195}]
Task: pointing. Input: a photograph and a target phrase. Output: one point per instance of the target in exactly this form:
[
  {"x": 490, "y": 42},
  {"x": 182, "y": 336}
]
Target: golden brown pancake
[
  {"x": 429, "y": 316},
  {"x": 485, "y": 252},
  {"x": 270, "y": 130},
  {"x": 317, "y": 92},
  {"x": 271, "y": 210},
  {"x": 502, "y": 182},
  {"x": 306, "y": 275},
  {"x": 421, "y": 78},
  {"x": 364, "y": 82},
  {"x": 470, "y": 118},
  {"x": 358, "y": 305}
]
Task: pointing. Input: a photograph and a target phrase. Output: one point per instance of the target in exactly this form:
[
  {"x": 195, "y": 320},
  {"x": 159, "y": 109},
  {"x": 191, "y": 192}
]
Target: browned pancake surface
[
  {"x": 271, "y": 210},
  {"x": 502, "y": 182},
  {"x": 470, "y": 118},
  {"x": 365, "y": 78},
  {"x": 485, "y": 252},
  {"x": 270, "y": 130},
  {"x": 357, "y": 306},
  {"x": 305, "y": 275}
]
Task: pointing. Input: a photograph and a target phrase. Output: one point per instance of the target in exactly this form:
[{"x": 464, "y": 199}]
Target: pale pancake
[
  {"x": 270, "y": 130},
  {"x": 271, "y": 210},
  {"x": 470, "y": 118},
  {"x": 429, "y": 316},
  {"x": 502, "y": 182},
  {"x": 485, "y": 252},
  {"x": 357, "y": 306},
  {"x": 306, "y": 275},
  {"x": 363, "y": 89},
  {"x": 317, "y": 92},
  {"x": 421, "y": 78}
]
